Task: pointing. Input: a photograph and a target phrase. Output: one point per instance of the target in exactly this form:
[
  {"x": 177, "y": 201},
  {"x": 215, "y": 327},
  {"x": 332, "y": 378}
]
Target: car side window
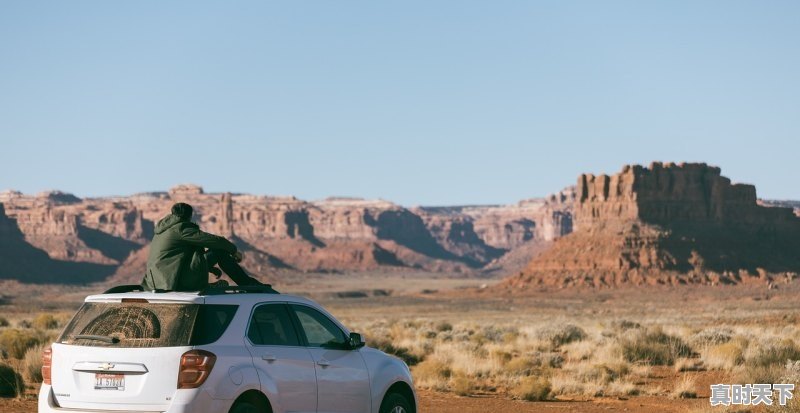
[
  {"x": 271, "y": 325},
  {"x": 320, "y": 331}
]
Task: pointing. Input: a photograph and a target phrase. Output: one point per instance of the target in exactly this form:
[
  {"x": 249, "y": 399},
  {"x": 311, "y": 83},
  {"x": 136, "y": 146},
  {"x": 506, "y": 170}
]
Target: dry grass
[
  {"x": 45, "y": 321},
  {"x": 11, "y": 382},
  {"x": 523, "y": 361},
  {"x": 653, "y": 346},
  {"x": 590, "y": 359},
  {"x": 724, "y": 356},
  {"x": 32, "y": 364},
  {"x": 461, "y": 385},
  {"x": 15, "y": 342},
  {"x": 532, "y": 389},
  {"x": 684, "y": 389}
]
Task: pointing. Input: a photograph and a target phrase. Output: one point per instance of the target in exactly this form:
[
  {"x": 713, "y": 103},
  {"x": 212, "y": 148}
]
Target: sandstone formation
[
  {"x": 21, "y": 260},
  {"x": 668, "y": 224},
  {"x": 285, "y": 234}
]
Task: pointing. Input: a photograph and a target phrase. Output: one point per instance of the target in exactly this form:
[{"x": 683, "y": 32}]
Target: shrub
[
  {"x": 768, "y": 354},
  {"x": 431, "y": 373},
  {"x": 444, "y": 326},
  {"x": 684, "y": 389},
  {"x": 724, "y": 356},
  {"x": 403, "y": 353},
  {"x": 4, "y": 322},
  {"x": 712, "y": 336},
  {"x": 654, "y": 347},
  {"x": 558, "y": 336},
  {"x": 24, "y": 324},
  {"x": 520, "y": 366},
  {"x": 533, "y": 389},
  {"x": 45, "y": 322},
  {"x": 16, "y": 342},
  {"x": 461, "y": 385},
  {"x": 11, "y": 384},
  {"x": 684, "y": 364},
  {"x": 791, "y": 374},
  {"x": 32, "y": 364},
  {"x": 761, "y": 374},
  {"x": 494, "y": 335}
]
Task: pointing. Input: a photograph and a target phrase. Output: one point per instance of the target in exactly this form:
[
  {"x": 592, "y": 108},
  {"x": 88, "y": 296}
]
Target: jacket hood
[{"x": 168, "y": 222}]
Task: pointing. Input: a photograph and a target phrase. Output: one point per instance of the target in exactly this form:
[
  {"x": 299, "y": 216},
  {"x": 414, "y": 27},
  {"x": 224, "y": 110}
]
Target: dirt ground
[
  {"x": 421, "y": 296},
  {"x": 434, "y": 402}
]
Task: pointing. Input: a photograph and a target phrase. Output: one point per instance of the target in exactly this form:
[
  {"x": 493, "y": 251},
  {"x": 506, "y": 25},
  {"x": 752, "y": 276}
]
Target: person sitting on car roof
[{"x": 181, "y": 255}]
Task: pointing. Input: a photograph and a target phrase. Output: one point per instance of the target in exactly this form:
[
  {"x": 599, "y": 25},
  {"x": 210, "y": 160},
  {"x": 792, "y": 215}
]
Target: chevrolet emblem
[{"x": 106, "y": 366}]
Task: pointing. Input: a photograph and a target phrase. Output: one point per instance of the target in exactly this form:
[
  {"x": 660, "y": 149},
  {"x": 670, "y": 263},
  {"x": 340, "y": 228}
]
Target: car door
[
  {"x": 285, "y": 367},
  {"x": 342, "y": 378}
]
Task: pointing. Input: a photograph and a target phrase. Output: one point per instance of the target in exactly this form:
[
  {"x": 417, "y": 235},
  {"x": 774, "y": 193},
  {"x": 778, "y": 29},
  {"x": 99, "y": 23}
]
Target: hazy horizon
[{"x": 418, "y": 103}]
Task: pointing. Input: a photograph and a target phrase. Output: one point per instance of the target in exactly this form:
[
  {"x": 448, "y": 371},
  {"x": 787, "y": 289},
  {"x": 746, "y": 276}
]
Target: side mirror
[{"x": 356, "y": 341}]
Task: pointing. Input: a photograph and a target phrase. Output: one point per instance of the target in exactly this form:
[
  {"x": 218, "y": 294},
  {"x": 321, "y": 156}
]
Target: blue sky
[{"x": 418, "y": 102}]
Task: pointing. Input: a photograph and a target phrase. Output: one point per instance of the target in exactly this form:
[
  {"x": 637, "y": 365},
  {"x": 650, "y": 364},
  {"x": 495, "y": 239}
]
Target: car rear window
[{"x": 147, "y": 324}]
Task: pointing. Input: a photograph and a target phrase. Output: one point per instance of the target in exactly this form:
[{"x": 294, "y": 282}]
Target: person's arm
[{"x": 203, "y": 239}]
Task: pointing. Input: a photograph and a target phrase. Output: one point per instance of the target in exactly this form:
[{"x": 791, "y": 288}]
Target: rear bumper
[{"x": 185, "y": 401}]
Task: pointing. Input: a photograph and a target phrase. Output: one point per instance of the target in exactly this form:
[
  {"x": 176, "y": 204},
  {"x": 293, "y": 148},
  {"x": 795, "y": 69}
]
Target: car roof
[{"x": 197, "y": 298}]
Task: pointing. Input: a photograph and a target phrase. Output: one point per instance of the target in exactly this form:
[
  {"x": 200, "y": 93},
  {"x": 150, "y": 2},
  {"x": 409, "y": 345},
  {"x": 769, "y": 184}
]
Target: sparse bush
[
  {"x": 461, "y": 385},
  {"x": 791, "y": 374},
  {"x": 724, "y": 356},
  {"x": 653, "y": 346},
  {"x": 684, "y": 389},
  {"x": 444, "y": 326},
  {"x": 684, "y": 364},
  {"x": 24, "y": 324},
  {"x": 558, "y": 336},
  {"x": 620, "y": 326},
  {"x": 520, "y": 366},
  {"x": 622, "y": 388},
  {"x": 533, "y": 389},
  {"x": 45, "y": 322},
  {"x": 403, "y": 353},
  {"x": 603, "y": 373},
  {"x": 712, "y": 336},
  {"x": 431, "y": 373},
  {"x": 11, "y": 383},
  {"x": 32, "y": 364},
  {"x": 761, "y": 374},
  {"x": 16, "y": 342},
  {"x": 495, "y": 335},
  {"x": 769, "y": 354},
  {"x": 4, "y": 322}
]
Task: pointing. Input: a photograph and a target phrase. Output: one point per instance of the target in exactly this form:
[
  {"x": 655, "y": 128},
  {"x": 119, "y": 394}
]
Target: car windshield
[{"x": 130, "y": 324}]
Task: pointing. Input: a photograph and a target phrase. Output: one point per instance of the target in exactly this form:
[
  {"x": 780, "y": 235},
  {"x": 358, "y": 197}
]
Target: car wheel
[
  {"x": 244, "y": 407},
  {"x": 395, "y": 403}
]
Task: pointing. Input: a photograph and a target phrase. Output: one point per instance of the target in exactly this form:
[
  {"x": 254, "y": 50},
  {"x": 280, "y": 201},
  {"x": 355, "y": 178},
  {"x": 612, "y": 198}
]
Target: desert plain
[
  {"x": 473, "y": 349},
  {"x": 628, "y": 292}
]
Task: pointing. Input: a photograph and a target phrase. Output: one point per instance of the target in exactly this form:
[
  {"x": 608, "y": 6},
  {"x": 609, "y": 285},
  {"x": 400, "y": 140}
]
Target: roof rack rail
[
  {"x": 124, "y": 289},
  {"x": 247, "y": 289}
]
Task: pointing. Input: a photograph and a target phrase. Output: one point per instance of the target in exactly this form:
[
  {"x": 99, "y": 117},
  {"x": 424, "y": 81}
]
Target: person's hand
[{"x": 238, "y": 256}]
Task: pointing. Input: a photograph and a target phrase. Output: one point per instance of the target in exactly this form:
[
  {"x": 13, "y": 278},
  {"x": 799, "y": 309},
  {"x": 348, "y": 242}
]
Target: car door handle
[
  {"x": 268, "y": 357},
  {"x": 324, "y": 363}
]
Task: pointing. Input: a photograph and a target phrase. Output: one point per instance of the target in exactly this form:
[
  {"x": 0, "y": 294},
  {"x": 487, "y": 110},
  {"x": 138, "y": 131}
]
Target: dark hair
[{"x": 182, "y": 210}]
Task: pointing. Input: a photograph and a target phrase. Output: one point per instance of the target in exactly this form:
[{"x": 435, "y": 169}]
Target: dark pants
[{"x": 228, "y": 265}]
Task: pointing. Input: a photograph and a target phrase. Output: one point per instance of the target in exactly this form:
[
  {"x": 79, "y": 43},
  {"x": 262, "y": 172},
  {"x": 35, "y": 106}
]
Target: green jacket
[{"x": 177, "y": 260}]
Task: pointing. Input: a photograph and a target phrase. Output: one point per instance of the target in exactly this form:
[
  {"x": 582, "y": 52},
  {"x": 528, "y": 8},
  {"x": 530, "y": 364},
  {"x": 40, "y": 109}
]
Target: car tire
[
  {"x": 245, "y": 407},
  {"x": 395, "y": 403}
]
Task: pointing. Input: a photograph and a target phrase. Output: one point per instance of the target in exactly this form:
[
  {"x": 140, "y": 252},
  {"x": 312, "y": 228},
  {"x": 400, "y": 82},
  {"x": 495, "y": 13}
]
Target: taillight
[
  {"x": 47, "y": 365},
  {"x": 196, "y": 365}
]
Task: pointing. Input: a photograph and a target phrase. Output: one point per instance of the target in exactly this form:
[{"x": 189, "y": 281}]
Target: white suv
[{"x": 235, "y": 349}]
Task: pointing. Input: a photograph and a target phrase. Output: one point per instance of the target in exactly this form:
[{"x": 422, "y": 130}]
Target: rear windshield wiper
[{"x": 107, "y": 339}]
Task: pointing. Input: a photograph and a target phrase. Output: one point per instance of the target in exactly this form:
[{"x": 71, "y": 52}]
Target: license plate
[{"x": 105, "y": 381}]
